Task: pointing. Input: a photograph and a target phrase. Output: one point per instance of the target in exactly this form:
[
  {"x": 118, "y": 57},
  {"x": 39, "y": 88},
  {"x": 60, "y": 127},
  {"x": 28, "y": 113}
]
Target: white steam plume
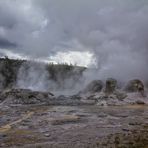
[{"x": 115, "y": 31}]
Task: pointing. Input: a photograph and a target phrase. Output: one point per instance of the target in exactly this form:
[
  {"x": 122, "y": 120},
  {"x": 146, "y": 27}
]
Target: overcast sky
[{"x": 115, "y": 31}]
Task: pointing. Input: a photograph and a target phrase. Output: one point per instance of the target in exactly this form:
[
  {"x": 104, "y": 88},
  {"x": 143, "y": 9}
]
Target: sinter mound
[{"x": 135, "y": 85}]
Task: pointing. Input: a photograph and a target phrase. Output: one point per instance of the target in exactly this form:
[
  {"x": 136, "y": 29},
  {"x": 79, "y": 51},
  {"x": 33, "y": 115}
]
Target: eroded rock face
[
  {"x": 135, "y": 85},
  {"x": 93, "y": 87}
]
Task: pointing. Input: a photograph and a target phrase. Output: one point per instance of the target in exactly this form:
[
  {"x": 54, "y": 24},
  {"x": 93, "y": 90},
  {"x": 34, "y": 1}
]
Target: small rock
[
  {"x": 3, "y": 136},
  {"x": 47, "y": 135},
  {"x": 140, "y": 102},
  {"x": 102, "y": 115},
  {"x": 135, "y": 123},
  {"x": 125, "y": 129}
]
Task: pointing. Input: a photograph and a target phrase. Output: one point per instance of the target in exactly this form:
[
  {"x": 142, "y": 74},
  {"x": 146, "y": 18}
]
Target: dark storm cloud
[
  {"x": 114, "y": 30},
  {"x": 4, "y": 43}
]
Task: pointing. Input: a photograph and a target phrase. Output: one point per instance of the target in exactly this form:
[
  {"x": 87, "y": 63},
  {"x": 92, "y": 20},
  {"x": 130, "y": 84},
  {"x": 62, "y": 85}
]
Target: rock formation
[
  {"x": 135, "y": 85},
  {"x": 93, "y": 87}
]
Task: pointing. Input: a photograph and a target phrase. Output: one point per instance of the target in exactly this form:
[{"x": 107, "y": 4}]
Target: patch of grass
[{"x": 19, "y": 137}]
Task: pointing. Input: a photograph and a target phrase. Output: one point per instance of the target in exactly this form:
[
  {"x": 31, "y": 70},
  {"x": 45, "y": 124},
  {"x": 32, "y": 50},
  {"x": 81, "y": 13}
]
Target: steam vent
[
  {"x": 73, "y": 74},
  {"x": 99, "y": 115}
]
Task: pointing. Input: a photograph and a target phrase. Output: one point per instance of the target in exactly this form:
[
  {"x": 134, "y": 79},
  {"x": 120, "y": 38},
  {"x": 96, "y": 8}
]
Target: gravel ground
[
  {"x": 41, "y": 120},
  {"x": 87, "y": 126}
]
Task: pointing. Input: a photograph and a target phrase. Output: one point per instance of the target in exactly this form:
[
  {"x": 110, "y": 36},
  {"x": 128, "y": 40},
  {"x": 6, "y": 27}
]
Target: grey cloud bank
[
  {"x": 4, "y": 43},
  {"x": 115, "y": 31}
]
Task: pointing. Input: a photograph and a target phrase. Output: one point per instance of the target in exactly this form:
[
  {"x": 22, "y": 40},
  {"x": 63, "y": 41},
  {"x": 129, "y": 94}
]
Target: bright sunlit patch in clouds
[
  {"x": 84, "y": 58},
  {"x": 78, "y": 58},
  {"x": 12, "y": 55}
]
